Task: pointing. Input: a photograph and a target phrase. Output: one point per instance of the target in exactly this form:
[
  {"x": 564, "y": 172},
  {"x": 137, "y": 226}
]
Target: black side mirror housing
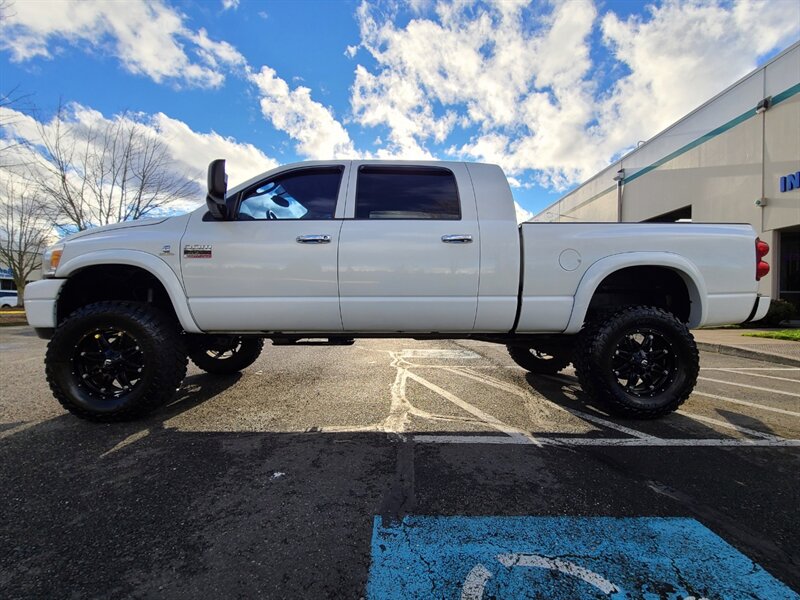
[{"x": 217, "y": 187}]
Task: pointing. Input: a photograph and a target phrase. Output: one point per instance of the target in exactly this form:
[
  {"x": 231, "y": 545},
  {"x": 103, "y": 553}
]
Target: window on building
[
  {"x": 681, "y": 215},
  {"x": 305, "y": 194},
  {"x": 406, "y": 193}
]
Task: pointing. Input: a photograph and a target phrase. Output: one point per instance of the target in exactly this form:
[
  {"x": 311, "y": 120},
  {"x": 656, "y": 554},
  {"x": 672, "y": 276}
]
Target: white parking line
[
  {"x": 135, "y": 437},
  {"x": 575, "y": 413},
  {"x": 727, "y": 425},
  {"x": 750, "y": 368},
  {"x": 438, "y": 353},
  {"x": 797, "y": 381},
  {"x": 556, "y": 441},
  {"x": 750, "y": 387},
  {"x": 750, "y": 404},
  {"x": 17, "y": 429},
  {"x": 595, "y": 419},
  {"x": 485, "y": 417},
  {"x": 402, "y": 409}
]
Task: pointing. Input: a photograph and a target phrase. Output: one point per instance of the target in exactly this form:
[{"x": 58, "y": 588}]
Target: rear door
[
  {"x": 409, "y": 249},
  {"x": 273, "y": 269}
]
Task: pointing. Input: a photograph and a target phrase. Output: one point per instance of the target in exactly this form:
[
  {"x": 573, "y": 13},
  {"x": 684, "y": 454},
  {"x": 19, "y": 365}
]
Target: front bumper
[{"x": 40, "y": 302}]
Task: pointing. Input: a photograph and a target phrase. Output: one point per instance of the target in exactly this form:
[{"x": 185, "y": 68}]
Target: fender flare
[
  {"x": 136, "y": 258},
  {"x": 595, "y": 274}
]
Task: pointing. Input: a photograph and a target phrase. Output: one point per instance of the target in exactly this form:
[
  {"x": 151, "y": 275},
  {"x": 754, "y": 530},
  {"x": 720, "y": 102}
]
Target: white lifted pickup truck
[{"x": 338, "y": 250}]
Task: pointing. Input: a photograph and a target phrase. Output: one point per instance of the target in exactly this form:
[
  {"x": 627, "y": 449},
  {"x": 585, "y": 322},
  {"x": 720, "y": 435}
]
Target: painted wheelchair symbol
[{"x": 475, "y": 582}]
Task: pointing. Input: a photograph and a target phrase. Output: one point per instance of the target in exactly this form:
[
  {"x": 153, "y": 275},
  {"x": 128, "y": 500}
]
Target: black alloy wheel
[
  {"x": 543, "y": 360},
  {"x": 224, "y": 354},
  {"x": 108, "y": 362},
  {"x": 644, "y": 362},
  {"x": 640, "y": 362},
  {"x": 115, "y": 360}
]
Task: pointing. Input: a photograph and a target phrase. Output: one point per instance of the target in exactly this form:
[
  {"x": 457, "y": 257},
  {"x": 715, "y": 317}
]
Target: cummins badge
[{"x": 197, "y": 251}]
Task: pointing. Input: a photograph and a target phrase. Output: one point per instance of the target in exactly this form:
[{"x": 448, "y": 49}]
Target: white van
[{"x": 8, "y": 299}]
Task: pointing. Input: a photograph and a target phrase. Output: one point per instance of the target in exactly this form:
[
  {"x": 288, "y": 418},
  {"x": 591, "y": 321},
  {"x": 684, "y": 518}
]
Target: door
[
  {"x": 274, "y": 267},
  {"x": 409, "y": 249}
]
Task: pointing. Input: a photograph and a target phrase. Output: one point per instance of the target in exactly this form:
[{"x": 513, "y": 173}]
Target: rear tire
[
  {"x": 224, "y": 354},
  {"x": 546, "y": 361},
  {"x": 641, "y": 362},
  {"x": 115, "y": 361}
]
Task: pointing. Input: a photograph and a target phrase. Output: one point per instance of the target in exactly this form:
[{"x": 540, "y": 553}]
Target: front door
[
  {"x": 409, "y": 250},
  {"x": 274, "y": 268}
]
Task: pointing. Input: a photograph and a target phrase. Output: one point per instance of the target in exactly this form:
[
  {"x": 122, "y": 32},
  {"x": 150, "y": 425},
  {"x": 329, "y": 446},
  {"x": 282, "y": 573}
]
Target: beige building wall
[{"x": 781, "y": 157}]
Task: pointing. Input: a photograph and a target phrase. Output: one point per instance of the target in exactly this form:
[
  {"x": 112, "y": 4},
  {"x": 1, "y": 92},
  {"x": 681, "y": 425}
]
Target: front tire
[
  {"x": 224, "y": 354},
  {"x": 641, "y": 362},
  {"x": 115, "y": 361}
]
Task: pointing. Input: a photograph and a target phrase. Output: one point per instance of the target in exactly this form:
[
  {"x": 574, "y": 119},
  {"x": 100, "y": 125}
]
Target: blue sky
[{"x": 551, "y": 91}]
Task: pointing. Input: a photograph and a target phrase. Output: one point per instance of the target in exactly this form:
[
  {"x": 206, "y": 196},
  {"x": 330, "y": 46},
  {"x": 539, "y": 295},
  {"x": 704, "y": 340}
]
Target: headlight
[{"x": 50, "y": 260}]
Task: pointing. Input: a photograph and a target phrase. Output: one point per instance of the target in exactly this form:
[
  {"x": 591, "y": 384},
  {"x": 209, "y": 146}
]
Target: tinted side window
[
  {"x": 406, "y": 193},
  {"x": 304, "y": 194}
]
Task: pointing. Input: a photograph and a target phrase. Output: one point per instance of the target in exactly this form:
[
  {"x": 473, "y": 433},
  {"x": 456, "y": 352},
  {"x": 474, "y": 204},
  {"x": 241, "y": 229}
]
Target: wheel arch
[
  {"x": 82, "y": 269},
  {"x": 602, "y": 270}
]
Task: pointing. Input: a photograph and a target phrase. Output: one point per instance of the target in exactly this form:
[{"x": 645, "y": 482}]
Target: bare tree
[
  {"x": 9, "y": 141},
  {"x": 107, "y": 173},
  {"x": 24, "y": 233},
  {"x": 6, "y": 10}
]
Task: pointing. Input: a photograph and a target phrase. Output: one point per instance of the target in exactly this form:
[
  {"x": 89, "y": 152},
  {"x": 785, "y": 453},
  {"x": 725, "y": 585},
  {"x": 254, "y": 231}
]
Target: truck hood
[{"x": 115, "y": 226}]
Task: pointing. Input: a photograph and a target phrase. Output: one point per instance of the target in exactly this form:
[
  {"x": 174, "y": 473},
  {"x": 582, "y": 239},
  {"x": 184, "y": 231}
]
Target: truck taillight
[{"x": 762, "y": 267}]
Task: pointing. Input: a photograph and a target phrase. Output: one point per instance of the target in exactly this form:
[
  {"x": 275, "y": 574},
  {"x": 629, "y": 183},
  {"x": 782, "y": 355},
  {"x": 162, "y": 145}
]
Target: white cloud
[
  {"x": 523, "y": 79},
  {"x": 149, "y": 38},
  {"x": 317, "y": 133},
  {"x": 194, "y": 150},
  {"x": 681, "y": 56},
  {"x": 522, "y": 214},
  {"x": 189, "y": 151},
  {"x": 478, "y": 66},
  {"x": 527, "y": 80},
  {"x": 230, "y": 4}
]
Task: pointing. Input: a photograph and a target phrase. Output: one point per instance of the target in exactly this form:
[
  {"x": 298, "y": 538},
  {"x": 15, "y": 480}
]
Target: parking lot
[{"x": 370, "y": 470}]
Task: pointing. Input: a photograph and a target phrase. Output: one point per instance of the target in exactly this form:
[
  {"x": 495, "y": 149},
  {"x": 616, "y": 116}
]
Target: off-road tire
[
  {"x": 597, "y": 362},
  {"x": 546, "y": 361},
  {"x": 158, "y": 344},
  {"x": 246, "y": 353}
]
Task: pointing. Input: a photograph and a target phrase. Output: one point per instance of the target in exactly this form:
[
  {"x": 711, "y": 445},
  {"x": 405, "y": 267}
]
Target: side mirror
[{"x": 217, "y": 186}]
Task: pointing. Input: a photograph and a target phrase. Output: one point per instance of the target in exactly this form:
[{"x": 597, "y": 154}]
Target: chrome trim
[
  {"x": 458, "y": 238},
  {"x": 313, "y": 239}
]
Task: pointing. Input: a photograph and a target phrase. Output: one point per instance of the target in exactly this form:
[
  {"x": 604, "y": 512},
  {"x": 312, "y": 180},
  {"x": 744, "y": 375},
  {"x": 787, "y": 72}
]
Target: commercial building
[{"x": 735, "y": 159}]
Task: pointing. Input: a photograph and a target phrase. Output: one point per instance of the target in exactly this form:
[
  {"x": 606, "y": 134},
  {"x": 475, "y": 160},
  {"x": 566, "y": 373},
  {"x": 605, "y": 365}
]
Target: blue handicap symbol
[{"x": 475, "y": 558}]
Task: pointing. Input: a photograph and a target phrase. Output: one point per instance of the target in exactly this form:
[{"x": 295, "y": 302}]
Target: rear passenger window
[{"x": 406, "y": 193}]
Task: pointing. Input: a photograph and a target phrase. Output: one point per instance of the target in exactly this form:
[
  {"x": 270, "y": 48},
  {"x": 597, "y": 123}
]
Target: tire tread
[
  {"x": 165, "y": 335},
  {"x": 596, "y": 333}
]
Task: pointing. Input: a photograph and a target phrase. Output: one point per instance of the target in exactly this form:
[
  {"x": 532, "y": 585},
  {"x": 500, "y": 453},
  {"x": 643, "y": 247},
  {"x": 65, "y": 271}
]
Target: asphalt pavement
[{"x": 364, "y": 471}]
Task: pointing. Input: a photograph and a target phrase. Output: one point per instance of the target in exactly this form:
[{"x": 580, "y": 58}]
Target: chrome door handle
[
  {"x": 460, "y": 238},
  {"x": 313, "y": 239}
]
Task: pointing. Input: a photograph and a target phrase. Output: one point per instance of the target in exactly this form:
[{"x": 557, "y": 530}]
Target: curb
[{"x": 745, "y": 353}]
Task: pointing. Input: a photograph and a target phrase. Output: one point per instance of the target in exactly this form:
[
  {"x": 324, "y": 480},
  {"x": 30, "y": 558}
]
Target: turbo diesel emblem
[{"x": 197, "y": 251}]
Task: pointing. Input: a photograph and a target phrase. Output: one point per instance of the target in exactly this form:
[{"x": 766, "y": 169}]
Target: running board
[{"x": 330, "y": 341}]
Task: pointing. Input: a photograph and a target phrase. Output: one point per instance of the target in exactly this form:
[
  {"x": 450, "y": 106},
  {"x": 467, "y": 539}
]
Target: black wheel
[
  {"x": 114, "y": 361},
  {"x": 224, "y": 354},
  {"x": 540, "y": 360},
  {"x": 641, "y": 362}
]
